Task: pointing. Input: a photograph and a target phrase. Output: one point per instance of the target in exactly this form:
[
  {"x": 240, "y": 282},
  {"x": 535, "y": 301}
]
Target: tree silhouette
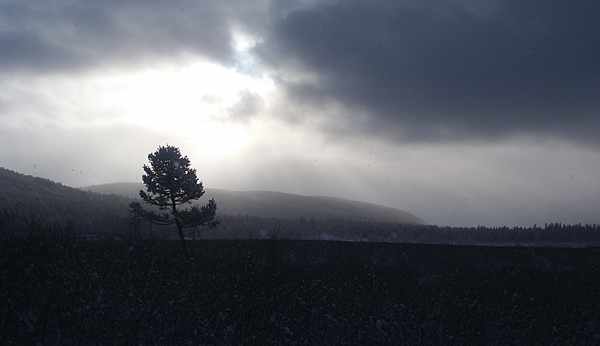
[{"x": 171, "y": 183}]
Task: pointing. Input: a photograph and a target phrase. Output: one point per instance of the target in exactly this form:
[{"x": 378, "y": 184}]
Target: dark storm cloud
[
  {"x": 413, "y": 70},
  {"x": 436, "y": 70},
  {"x": 65, "y": 36}
]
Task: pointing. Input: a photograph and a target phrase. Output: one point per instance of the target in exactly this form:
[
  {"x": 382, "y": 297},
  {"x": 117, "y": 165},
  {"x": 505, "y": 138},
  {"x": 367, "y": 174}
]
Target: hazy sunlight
[{"x": 193, "y": 101}]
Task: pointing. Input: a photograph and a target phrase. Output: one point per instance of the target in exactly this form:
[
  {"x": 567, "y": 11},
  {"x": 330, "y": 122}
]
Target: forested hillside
[
  {"x": 32, "y": 204},
  {"x": 268, "y": 204},
  {"x": 272, "y": 215}
]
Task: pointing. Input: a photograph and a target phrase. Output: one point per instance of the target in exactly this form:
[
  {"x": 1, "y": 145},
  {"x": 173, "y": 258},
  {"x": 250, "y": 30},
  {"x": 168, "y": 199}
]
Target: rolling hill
[
  {"x": 38, "y": 206},
  {"x": 280, "y": 205},
  {"x": 30, "y": 203}
]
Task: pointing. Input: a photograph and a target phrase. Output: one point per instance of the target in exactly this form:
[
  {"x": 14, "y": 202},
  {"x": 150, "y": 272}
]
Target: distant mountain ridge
[{"x": 279, "y": 205}]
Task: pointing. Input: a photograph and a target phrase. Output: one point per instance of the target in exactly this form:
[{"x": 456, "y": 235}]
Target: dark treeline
[
  {"x": 249, "y": 227},
  {"x": 17, "y": 221}
]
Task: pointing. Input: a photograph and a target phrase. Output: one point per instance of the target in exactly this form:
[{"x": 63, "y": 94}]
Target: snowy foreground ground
[{"x": 265, "y": 292}]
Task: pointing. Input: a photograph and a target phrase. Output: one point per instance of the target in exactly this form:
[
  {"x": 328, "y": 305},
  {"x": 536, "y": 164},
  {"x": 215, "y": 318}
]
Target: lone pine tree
[{"x": 170, "y": 184}]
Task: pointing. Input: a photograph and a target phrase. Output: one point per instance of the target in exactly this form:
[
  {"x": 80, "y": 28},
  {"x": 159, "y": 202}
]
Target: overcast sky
[{"x": 462, "y": 112}]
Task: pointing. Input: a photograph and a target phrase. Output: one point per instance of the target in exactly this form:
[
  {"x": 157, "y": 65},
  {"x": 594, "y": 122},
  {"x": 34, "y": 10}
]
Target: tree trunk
[
  {"x": 179, "y": 228},
  {"x": 182, "y": 238}
]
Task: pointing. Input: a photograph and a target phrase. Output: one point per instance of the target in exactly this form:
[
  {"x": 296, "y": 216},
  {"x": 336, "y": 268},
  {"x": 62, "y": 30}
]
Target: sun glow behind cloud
[{"x": 193, "y": 102}]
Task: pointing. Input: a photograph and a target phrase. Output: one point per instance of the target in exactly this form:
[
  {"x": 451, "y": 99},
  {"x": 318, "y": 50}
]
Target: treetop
[{"x": 169, "y": 179}]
